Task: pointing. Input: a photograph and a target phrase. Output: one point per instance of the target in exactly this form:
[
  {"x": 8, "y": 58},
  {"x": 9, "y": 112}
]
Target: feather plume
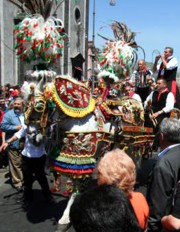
[
  {"x": 47, "y": 8},
  {"x": 42, "y": 7}
]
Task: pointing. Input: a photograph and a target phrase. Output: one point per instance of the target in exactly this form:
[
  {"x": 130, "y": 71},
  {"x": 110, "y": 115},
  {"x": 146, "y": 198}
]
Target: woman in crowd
[{"x": 118, "y": 169}]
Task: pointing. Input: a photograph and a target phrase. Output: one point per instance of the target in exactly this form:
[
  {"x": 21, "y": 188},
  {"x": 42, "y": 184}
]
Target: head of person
[
  {"x": 11, "y": 91},
  {"x": 168, "y": 51},
  {"x": 161, "y": 84},
  {"x": 103, "y": 208},
  {"x": 18, "y": 104},
  {"x": 169, "y": 132},
  {"x": 117, "y": 168},
  {"x": 2, "y": 103},
  {"x": 127, "y": 90},
  {"x": 141, "y": 65}
]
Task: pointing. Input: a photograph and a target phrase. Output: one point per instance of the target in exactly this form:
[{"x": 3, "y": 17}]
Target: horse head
[{"x": 36, "y": 109}]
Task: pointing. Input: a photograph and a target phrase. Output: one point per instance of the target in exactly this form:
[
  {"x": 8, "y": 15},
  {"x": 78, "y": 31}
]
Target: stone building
[{"x": 73, "y": 13}]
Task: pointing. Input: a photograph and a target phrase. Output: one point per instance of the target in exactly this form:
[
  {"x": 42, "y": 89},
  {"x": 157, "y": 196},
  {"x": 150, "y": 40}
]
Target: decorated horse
[
  {"x": 87, "y": 122},
  {"x": 91, "y": 127}
]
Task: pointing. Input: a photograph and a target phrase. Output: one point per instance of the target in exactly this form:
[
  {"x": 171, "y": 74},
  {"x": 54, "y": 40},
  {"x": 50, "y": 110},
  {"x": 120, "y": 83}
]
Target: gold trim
[{"x": 75, "y": 113}]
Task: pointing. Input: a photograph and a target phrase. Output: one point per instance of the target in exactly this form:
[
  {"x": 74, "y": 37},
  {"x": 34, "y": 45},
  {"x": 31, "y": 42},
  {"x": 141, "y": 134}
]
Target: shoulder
[
  {"x": 137, "y": 199},
  {"x": 169, "y": 159},
  {"x": 9, "y": 113},
  {"x": 137, "y": 196},
  {"x": 173, "y": 58},
  {"x": 170, "y": 94},
  {"x": 149, "y": 72}
]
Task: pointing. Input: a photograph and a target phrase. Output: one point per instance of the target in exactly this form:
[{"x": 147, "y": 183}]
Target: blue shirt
[{"x": 9, "y": 123}]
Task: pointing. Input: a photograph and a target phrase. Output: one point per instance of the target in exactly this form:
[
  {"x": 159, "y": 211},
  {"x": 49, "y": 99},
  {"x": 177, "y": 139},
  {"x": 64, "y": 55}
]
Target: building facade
[{"x": 73, "y": 13}]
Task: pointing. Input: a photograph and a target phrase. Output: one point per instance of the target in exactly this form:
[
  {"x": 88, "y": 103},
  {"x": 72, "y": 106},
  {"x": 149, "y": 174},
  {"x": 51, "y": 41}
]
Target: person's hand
[
  {"x": 3, "y": 146},
  {"x": 18, "y": 127},
  {"x": 157, "y": 58},
  {"x": 163, "y": 56},
  {"x": 155, "y": 115}
]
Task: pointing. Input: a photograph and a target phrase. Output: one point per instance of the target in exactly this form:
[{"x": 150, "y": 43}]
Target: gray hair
[
  {"x": 170, "y": 127},
  {"x": 170, "y": 49}
]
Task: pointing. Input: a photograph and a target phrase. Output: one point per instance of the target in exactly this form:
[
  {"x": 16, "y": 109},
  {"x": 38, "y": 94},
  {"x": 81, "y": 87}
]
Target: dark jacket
[{"x": 161, "y": 188}]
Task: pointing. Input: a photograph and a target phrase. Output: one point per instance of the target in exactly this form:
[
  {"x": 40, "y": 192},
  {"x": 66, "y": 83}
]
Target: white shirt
[
  {"x": 137, "y": 97},
  {"x": 30, "y": 150},
  {"x": 169, "y": 102},
  {"x": 173, "y": 63}
]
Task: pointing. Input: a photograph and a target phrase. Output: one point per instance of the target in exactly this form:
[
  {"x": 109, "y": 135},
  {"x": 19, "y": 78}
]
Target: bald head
[{"x": 141, "y": 65}]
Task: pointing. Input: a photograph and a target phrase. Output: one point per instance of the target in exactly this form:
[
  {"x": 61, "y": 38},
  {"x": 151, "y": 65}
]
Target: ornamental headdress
[
  {"x": 39, "y": 36},
  {"x": 39, "y": 41},
  {"x": 119, "y": 55}
]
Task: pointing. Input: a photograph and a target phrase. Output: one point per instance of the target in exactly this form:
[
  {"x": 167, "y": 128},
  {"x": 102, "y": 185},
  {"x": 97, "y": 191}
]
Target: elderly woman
[{"x": 118, "y": 169}]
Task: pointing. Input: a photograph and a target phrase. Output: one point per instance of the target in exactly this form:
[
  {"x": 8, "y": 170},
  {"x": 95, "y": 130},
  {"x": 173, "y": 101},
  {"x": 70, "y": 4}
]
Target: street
[{"x": 41, "y": 216}]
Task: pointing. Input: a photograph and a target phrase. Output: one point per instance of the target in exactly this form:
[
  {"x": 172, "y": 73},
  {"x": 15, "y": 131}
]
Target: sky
[{"x": 156, "y": 23}]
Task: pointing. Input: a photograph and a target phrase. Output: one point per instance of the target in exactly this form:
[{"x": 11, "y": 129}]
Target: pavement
[{"x": 40, "y": 216}]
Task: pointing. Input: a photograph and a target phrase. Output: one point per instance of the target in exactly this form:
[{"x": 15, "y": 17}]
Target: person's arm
[
  {"x": 3, "y": 137},
  {"x": 169, "y": 103},
  {"x": 173, "y": 63},
  {"x": 156, "y": 63},
  {"x": 21, "y": 133},
  {"x": 169, "y": 106},
  {"x": 132, "y": 79},
  {"x": 170, "y": 223},
  {"x": 164, "y": 61},
  {"x": 159, "y": 194},
  {"x": 7, "y": 142},
  {"x": 148, "y": 101},
  {"x": 7, "y": 125},
  {"x": 137, "y": 97}
]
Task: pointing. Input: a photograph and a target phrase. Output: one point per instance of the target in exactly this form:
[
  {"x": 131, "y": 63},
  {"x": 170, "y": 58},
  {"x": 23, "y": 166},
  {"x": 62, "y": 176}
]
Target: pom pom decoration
[
  {"x": 39, "y": 39},
  {"x": 118, "y": 57},
  {"x": 107, "y": 74}
]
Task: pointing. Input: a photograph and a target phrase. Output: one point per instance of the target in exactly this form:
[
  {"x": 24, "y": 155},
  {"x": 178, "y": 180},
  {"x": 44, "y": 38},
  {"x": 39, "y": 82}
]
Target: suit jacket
[{"x": 160, "y": 191}]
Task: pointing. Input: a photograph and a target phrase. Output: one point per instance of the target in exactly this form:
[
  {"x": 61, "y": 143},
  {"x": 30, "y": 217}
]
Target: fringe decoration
[{"x": 74, "y": 112}]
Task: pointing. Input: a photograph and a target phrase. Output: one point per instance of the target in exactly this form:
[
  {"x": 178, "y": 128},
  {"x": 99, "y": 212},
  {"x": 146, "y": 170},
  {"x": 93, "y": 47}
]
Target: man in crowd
[
  {"x": 33, "y": 161},
  {"x": 128, "y": 92},
  {"x": 165, "y": 175},
  {"x": 11, "y": 123},
  {"x": 142, "y": 80},
  {"x": 168, "y": 70},
  {"x": 160, "y": 103}
]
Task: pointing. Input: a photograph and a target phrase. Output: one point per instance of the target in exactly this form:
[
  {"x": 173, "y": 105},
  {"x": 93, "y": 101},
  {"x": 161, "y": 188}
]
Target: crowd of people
[
  {"x": 113, "y": 203},
  {"x": 24, "y": 160}
]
